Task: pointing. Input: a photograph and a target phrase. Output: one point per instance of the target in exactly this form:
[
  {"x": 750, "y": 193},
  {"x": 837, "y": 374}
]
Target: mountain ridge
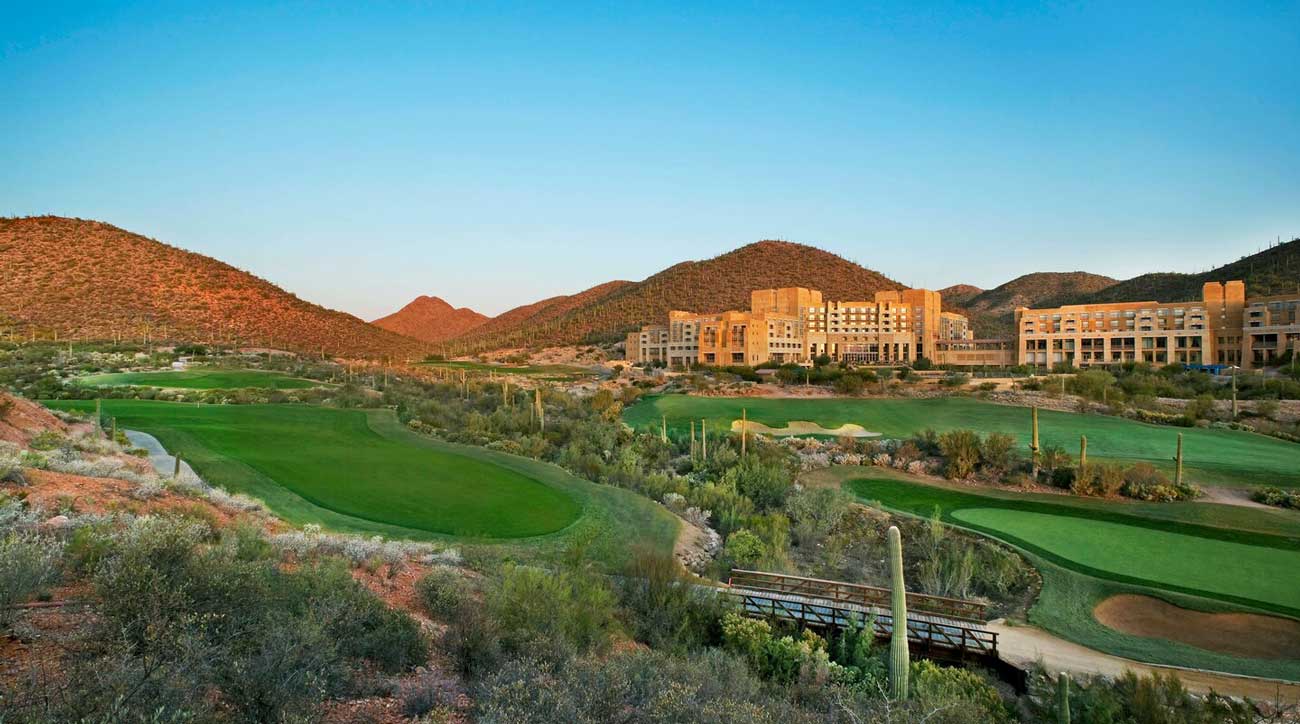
[
  {"x": 89, "y": 279},
  {"x": 717, "y": 284}
]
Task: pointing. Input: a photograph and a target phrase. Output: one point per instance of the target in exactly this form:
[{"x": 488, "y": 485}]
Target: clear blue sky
[{"x": 495, "y": 153}]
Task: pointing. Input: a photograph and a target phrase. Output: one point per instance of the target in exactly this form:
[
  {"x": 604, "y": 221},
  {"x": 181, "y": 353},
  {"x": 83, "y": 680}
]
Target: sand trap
[
  {"x": 1237, "y": 634},
  {"x": 802, "y": 427}
]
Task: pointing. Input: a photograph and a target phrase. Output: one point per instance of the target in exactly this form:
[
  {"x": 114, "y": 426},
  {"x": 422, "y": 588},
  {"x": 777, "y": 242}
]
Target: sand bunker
[
  {"x": 802, "y": 427},
  {"x": 1237, "y": 634}
]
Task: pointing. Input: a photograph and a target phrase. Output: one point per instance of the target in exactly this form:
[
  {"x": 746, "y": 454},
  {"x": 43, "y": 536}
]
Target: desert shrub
[
  {"x": 762, "y": 481},
  {"x": 664, "y": 609},
  {"x": 441, "y": 591},
  {"x": 552, "y": 614},
  {"x": 426, "y": 692},
  {"x": 1277, "y": 497},
  {"x": 1159, "y": 698},
  {"x": 273, "y": 642},
  {"x": 473, "y": 640},
  {"x": 997, "y": 452},
  {"x": 28, "y": 565},
  {"x": 961, "y": 695},
  {"x": 744, "y": 549},
  {"x": 850, "y": 384},
  {"x": 636, "y": 686},
  {"x": 814, "y": 512},
  {"x": 1144, "y": 481},
  {"x": 48, "y": 440},
  {"x": 783, "y": 659},
  {"x": 961, "y": 452}
]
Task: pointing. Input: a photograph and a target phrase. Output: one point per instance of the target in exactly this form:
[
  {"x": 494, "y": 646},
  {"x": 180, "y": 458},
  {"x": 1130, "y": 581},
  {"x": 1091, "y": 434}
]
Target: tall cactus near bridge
[
  {"x": 898, "y": 655},
  {"x": 1063, "y": 698}
]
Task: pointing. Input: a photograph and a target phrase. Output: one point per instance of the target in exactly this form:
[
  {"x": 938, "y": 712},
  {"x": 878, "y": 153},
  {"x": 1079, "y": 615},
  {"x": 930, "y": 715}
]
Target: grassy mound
[
  {"x": 201, "y": 379},
  {"x": 1223, "y": 457}
]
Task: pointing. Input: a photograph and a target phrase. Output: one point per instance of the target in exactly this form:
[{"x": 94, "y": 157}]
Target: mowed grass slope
[
  {"x": 201, "y": 379},
  {"x": 1225, "y": 457},
  {"x": 335, "y": 460},
  {"x": 1248, "y": 568}
]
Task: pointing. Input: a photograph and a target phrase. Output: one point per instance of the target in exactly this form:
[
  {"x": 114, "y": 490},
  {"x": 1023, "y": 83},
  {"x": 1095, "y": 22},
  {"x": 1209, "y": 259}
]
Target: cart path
[{"x": 1023, "y": 645}]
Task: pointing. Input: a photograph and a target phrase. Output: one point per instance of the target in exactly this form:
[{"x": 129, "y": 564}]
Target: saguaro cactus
[
  {"x": 898, "y": 658},
  {"x": 1178, "y": 462},
  {"x": 1033, "y": 439},
  {"x": 663, "y": 429},
  {"x": 1083, "y": 455},
  {"x": 99, "y": 414},
  {"x": 1063, "y": 698},
  {"x": 692, "y": 439},
  {"x": 176, "y": 466},
  {"x": 744, "y": 431},
  {"x": 704, "y": 441},
  {"x": 541, "y": 418}
]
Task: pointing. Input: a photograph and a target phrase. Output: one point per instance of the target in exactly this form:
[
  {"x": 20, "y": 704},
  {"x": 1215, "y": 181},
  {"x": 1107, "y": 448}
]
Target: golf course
[
  {"x": 1088, "y": 554},
  {"x": 201, "y": 378},
  {"x": 540, "y": 371},
  {"x": 362, "y": 471},
  {"x": 1212, "y": 456}
]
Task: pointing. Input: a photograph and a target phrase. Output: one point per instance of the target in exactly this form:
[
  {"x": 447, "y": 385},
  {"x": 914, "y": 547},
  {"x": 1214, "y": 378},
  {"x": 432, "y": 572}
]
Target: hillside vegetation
[
  {"x": 715, "y": 285},
  {"x": 992, "y": 311},
  {"x": 87, "y": 279},
  {"x": 1273, "y": 271},
  {"x": 431, "y": 319}
]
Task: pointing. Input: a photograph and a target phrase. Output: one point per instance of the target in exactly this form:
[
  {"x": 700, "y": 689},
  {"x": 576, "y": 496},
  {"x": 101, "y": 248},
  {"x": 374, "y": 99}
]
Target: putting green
[
  {"x": 1222, "y": 457},
  {"x": 1164, "y": 559},
  {"x": 1248, "y": 568},
  {"x": 201, "y": 379},
  {"x": 334, "y": 460}
]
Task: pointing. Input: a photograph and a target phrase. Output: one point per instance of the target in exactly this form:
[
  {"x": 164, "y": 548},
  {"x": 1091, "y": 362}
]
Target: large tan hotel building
[{"x": 795, "y": 324}]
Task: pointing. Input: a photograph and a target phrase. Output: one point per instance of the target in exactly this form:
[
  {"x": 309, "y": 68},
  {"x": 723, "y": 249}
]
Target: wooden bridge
[{"x": 937, "y": 627}]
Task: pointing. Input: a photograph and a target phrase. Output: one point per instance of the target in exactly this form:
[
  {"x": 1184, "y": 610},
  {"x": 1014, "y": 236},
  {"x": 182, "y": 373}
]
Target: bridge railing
[
  {"x": 855, "y": 593},
  {"x": 953, "y": 639}
]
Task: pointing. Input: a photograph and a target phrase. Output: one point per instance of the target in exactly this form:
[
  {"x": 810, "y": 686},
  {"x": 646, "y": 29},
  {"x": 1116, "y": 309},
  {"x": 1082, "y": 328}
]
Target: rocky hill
[
  {"x": 958, "y": 294},
  {"x": 431, "y": 319},
  {"x": 1275, "y": 270},
  {"x": 991, "y": 312},
  {"x": 607, "y": 312},
  {"x": 87, "y": 279}
]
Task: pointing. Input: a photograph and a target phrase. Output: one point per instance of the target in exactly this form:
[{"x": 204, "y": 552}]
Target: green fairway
[
  {"x": 546, "y": 371},
  {"x": 1222, "y": 457},
  {"x": 201, "y": 378},
  {"x": 335, "y": 461},
  {"x": 1248, "y": 568},
  {"x": 1088, "y": 553}
]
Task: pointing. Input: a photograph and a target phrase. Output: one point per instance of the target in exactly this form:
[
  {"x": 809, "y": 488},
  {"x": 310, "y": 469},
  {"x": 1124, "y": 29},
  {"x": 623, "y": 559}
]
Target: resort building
[
  {"x": 1222, "y": 328},
  {"x": 795, "y": 324}
]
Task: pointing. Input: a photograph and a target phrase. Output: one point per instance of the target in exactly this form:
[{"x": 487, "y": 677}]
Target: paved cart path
[
  {"x": 1022, "y": 645},
  {"x": 163, "y": 463}
]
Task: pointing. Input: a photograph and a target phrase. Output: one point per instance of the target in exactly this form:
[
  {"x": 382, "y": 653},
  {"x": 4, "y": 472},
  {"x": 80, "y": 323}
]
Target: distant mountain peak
[{"x": 431, "y": 319}]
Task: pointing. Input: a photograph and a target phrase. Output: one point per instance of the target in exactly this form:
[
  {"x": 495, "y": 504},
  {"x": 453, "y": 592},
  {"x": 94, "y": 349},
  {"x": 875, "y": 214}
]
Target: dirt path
[
  {"x": 1024, "y": 645},
  {"x": 1230, "y": 496}
]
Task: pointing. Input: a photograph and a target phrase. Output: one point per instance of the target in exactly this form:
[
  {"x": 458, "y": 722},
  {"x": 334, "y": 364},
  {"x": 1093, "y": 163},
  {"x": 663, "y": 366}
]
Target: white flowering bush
[
  {"x": 882, "y": 460},
  {"x": 675, "y": 502}
]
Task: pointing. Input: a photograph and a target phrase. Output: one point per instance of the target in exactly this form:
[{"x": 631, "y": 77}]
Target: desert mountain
[
  {"x": 991, "y": 311},
  {"x": 77, "y": 278},
  {"x": 1275, "y": 270},
  {"x": 606, "y": 312},
  {"x": 958, "y": 294},
  {"x": 431, "y": 319}
]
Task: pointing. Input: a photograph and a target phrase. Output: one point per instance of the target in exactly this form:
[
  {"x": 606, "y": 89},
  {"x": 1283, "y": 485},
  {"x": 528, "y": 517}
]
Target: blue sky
[{"x": 496, "y": 153}]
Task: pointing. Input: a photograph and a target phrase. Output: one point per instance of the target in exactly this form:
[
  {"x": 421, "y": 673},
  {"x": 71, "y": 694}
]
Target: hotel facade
[
  {"x": 1224, "y": 327},
  {"x": 796, "y": 324}
]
